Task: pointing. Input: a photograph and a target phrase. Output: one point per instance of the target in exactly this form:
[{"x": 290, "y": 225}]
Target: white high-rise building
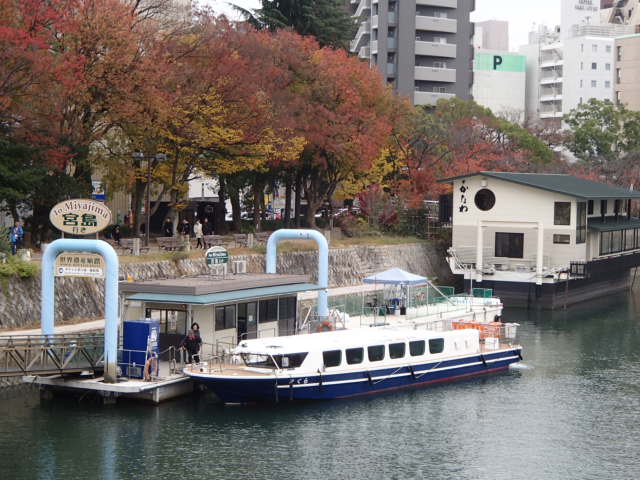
[{"x": 570, "y": 64}]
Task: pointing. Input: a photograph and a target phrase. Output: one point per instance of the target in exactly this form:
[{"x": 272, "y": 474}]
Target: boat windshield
[{"x": 287, "y": 360}]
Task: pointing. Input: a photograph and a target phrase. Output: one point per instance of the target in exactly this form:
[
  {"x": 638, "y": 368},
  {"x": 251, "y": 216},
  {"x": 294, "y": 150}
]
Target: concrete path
[{"x": 76, "y": 328}]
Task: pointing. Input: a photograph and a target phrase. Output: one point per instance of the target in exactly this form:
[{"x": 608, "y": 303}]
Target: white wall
[
  {"x": 502, "y": 92},
  {"x": 532, "y": 83},
  {"x": 578, "y": 12},
  {"x": 515, "y": 204},
  {"x": 578, "y": 58}
]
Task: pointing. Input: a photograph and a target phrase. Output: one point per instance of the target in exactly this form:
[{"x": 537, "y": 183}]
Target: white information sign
[{"x": 88, "y": 265}]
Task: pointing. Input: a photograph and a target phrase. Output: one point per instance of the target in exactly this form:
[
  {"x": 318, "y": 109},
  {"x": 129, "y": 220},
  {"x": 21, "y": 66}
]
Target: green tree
[
  {"x": 604, "y": 135},
  {"x": 327, "y": 20}
]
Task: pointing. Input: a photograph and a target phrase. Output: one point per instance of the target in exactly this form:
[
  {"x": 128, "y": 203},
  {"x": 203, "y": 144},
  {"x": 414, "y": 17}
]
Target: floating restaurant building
[{"x": 542, "y": 239}]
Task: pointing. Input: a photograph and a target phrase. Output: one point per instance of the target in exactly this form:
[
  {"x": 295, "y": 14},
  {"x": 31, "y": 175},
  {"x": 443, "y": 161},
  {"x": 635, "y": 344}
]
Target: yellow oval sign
[{"x": 80, "y": 216}]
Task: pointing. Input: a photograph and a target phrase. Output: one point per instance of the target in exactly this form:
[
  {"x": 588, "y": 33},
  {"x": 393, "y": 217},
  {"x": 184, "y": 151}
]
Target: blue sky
[{"x": 521, "y": 15}]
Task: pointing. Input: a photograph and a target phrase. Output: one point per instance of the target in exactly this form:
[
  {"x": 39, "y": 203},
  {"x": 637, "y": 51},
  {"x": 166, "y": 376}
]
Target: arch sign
[
  {"x": 83, "y": 217},
  {"x": 80, "y": 217}
]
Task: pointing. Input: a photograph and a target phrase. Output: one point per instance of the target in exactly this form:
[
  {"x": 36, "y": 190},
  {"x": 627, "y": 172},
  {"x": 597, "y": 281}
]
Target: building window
[
  {"x": 608, "y": 48},
  {"x": 485, "y": 199},
  {"x": 562, "y": 213},
  {"x": 436, "y": 345},
  {"x": 561, "y": 239},
  {"x": 332, "y": 358},
  {"x": 594, "y": 83},
  {"x": 607, "y": 84},
  {"x": 581, "y": 83},
  {"x": 629, "y": 239},
  {"x": 616, "y": 241},
  {"x": 440, "y": 89},
  {"x": 618, "y": 75},
  {"x": 354, "y": 355},
  {"x": 582, "y": 47},
  {"x": 509, "y": 245},
  {"x": 396, "y": 350},
  {"x": 268, "y": 310},
  {"x": 581, "y": 223},
  {"x": 590, "y": 207},
  {"x": 594, "y": 48},
  {"x": 225, "y": 317},
  {"x": 375, "y": 353},
  {"x": 594, "y": 66},
  {"x": 439, "y": 39},
  {"x": 437, "y": 64},
  {"x": 607, "y": 67},
  {"x": 581, "y": 65},
  {"x": 416, "y": 348},
  {"x": 603, "y": 207},
  {"x": 391, "y": 33},
  {"x": 619, "y": 53}
]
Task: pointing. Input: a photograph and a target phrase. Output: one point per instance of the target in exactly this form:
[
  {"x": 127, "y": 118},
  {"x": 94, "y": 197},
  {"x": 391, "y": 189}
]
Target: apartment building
[{"x": 423, "y": 47}]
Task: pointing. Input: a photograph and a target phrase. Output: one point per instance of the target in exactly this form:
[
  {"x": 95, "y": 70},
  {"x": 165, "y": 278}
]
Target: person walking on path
[
  {"x": 117, "y": 235},
  {"x": 167, "y": 228},
  {"x": 15, "y": 237},
  {"x": 207, "y": 228},
  {"x": 197, "y": 231}
]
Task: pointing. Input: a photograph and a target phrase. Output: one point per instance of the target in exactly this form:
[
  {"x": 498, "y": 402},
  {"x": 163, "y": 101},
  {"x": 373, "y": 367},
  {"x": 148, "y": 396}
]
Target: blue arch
[
  {"x": 110, "y": 295},
  {"x": 323, "y": 259}
]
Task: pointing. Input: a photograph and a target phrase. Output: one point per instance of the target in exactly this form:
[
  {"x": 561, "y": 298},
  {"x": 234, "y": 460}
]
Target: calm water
[{"x": 570, "y": 411}]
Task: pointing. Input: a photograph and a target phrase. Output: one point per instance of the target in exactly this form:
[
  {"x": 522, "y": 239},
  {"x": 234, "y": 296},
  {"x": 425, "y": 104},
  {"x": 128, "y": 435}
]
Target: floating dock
[{"x": 159, "y": 389}]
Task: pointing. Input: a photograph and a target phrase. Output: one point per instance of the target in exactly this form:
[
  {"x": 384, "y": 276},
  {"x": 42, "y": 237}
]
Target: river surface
[{"x": 571, "y": 410}]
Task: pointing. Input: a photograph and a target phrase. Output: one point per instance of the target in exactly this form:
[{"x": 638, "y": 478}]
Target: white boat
[{"x": 347, "y": 363}]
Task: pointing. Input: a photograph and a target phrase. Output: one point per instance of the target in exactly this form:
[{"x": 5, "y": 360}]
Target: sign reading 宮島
[
  {"x": 80, "y": 217},
  {"x": 79, "y": 265},
  {"x": 217, "y": 256}
]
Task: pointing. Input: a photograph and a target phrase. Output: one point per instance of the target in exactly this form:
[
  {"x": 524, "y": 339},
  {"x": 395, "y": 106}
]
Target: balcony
[
  {"x": 551, "y": 97},
  {"x": 392, "y": 18},
  {"x": 438, "y": 3},
  {"x": 436, "y": 24},
  {"x": 429, "y": 98},
  {"x": 374, "y": 47},
  {"x": 550, "y": 80},
  {"x": 550, "y": 114},
  {"x": 431, "y": 74},
  {"x": 365, "y": 52},
  {"x": 374, "y": 21},
  {"x": 391, "y": 69},
  {"x": 434, "y": 49},
  {"x": 552, "y": 62},
  {"x": 363, "y": 7},
  {"x": 363, "y": 32},
  {"x": 391, "y": 43}
]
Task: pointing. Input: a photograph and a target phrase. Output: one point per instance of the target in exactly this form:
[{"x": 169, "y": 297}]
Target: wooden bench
[
  {"x": 215, "y": 240},
  {"x": 241, "y": 240},
  {"x": 127, "y": 245},
  {"x": 262, "y": 237},
  {"x": 169, "y": 243}
]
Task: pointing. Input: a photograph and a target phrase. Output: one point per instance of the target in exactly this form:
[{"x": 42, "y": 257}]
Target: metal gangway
[{"x": 51, "y": 354}]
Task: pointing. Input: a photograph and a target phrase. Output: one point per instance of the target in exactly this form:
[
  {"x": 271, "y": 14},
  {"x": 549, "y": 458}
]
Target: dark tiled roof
[
  {"x": 559, "y": 183},
  {"x": 610, "y": 223}
]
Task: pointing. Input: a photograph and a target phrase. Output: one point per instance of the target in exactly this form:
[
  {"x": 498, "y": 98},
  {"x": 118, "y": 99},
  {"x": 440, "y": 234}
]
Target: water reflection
[{"x": 569, "y": 412}]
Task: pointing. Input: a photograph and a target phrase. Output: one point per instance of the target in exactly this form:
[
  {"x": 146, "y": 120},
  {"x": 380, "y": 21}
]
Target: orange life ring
[
  {"x": 325, "y": 326},
  {"x": 151, "y": 363}
]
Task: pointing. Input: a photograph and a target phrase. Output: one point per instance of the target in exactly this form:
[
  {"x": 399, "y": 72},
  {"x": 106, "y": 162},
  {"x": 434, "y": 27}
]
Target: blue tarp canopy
[{"x": 396, "y": 276}]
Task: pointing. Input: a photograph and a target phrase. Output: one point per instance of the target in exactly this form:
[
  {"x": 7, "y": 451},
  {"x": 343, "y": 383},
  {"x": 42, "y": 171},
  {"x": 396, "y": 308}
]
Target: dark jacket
[
  {"x": 167, "y": 229},
  {"x": 184, "y": 228},
  {"x": 207, "y": 228},
  {"x": 192, "y": 343}
]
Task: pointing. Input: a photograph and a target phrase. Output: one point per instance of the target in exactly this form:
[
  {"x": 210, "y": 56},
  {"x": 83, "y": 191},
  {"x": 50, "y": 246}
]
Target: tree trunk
[
  {"x": 298, "y": 199},
  {"x": 287, "y": 202},
  {"x": 257, "y": 201},
  {"x": 136, "y": 205},
  {"x": 219, "y": 223},
  {"x": 234, "y": 197}
]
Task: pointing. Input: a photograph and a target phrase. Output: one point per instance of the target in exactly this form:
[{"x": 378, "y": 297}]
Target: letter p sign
[{"x": 497, "y": 61}]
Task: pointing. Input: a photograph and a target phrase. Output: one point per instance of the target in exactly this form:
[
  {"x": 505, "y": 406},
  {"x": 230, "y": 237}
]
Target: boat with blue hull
[{"x": 348, "y": 363}]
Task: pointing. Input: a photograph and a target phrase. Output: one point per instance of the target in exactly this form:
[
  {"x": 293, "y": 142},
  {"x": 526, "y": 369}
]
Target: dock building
[{"x": 543, "y": 239}]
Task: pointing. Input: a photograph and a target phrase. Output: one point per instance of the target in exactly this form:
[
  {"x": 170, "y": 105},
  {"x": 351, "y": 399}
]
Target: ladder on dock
[{"x": 50, "y": 354}]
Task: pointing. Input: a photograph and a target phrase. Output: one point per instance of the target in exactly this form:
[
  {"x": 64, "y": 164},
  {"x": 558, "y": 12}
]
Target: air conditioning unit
[
  {"x": 239, "y": 266},
  {"x": 218, "y": 271}
]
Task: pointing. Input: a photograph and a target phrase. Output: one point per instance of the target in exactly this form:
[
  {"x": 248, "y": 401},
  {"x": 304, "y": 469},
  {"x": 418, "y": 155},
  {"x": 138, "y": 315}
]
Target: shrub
[{"x": 5, "y": 245}]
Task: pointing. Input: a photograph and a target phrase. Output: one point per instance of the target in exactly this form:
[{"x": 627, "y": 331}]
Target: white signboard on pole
[
  {"x": 80, "y": 217},
  {"x": 88, "y": 265}
]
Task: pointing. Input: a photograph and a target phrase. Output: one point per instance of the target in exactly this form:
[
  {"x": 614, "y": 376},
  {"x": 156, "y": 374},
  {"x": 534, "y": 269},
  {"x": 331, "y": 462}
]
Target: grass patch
[{"x": 16, "y": 268}]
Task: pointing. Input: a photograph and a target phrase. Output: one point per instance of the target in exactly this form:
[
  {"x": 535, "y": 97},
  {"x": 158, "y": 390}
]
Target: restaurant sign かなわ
[{"x": 80, "y": 216}]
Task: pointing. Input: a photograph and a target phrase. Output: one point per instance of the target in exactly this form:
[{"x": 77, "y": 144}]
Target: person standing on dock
[{"x": 191, "y": 343}]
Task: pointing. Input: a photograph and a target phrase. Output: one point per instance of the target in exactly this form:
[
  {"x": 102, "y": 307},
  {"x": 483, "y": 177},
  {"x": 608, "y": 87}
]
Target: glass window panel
[
  {"x": 629, "y": 239},
  {"x": 219, "y": 318},
  {"x": 562, "y": 213},
  {"x": 436, "y": 345},
  {"x": 417, "y": 348},
  {"x": 616, "y": 241},
  {"x": 354, "y": 355},
  {"x": 230, "y": 316},
  {"x": 510, "y": 245},
  {"x": 396, "y": 350},
  {"x": 332, "y": 358},
  {"x": 375, "y": 353}
]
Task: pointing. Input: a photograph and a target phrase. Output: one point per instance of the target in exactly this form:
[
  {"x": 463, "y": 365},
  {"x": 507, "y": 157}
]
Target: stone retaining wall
[{"x": 82, "y": 298}]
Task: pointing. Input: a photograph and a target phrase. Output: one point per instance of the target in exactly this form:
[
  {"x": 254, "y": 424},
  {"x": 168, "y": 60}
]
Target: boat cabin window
[
  {"x": 332, "y": 358},
  {"x": 287, "y": 360},
  {"x": 436, "y": 345},
  {"x": 416, "y": 348},
  {"x": 396, "y": 350},
  {"x": 375, "y": 353},
  {"x": 354, "y": 355}
]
